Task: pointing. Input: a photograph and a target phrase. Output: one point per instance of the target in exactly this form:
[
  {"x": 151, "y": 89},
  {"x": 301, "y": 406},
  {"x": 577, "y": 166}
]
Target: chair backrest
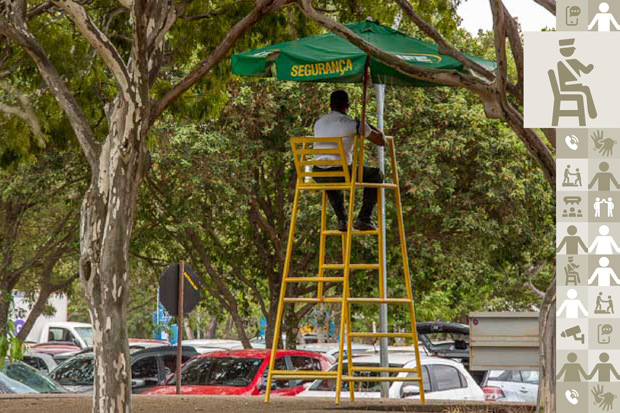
[
  {"x": 554, "y": 82},
  {"x": 304, "y": 153}
]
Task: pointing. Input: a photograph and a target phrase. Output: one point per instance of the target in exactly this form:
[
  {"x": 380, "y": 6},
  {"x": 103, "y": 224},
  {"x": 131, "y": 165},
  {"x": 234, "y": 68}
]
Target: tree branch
[
  {"x": 547, "y": 4},
  {"x": 444, "y": 47},
  {"x": 531, "y": 274},
  {"x": 26, "y": 112},
  {"x": 77, "y": 118},
  {"x": 99, "y": 41},
  {"x": 262, "y": 8}
]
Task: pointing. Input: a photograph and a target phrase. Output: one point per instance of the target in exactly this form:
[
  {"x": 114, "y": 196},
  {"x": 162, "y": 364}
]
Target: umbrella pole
[
  {"x": 383, "y": 310},
  {"x": 360, "y": 169}
]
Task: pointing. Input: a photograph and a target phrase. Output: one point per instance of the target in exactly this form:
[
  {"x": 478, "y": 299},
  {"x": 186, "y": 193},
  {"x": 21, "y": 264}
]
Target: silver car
[{"x": 511, "y": 386}]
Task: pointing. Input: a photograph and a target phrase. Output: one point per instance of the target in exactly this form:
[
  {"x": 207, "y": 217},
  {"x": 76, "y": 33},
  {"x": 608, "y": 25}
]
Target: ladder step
[
  {"x": 302, "y": 374},
  {"x": 380, "y": 379},
  {"x": 351, "y": 266},
  {"x": 388, "y": 335},
  {"x": 369, "y": 185},
  {"x": 384, "y": 369},
  {"x": 314, "y": 279},
  {"x": 355, "y": 232},
  {"x": 379, "y": 300},
  {"x": 312, "y": 300}
]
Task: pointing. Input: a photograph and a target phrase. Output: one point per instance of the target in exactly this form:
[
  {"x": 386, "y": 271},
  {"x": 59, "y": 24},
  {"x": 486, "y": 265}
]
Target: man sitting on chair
[{"x": 337, "y": 124}]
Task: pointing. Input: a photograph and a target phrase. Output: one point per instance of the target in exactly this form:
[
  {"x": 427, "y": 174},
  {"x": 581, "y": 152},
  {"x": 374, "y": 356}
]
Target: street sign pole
[{"x": 180, "y": 325}]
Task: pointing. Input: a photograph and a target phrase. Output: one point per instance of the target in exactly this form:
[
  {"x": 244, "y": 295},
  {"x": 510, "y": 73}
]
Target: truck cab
[{"x": 80, "y": 334}]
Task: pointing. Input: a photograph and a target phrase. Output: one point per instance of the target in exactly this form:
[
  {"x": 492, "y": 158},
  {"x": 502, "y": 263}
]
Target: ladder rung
[
  {"x": 351, "y": 266},
  {"x": 369, "y": 185},
  {"x": 314, "y": 279},
  {"x": 311, "y": 186},
  {"x": 312, "y": 300},
  {"x": 384, "y": 369},
  {"x": 318, "y": 374},
  {"x": 379, "y": 300},
  {"x": 388, "y": 335},
  {"x": 380, "y": 379},
  {"x": 336, "y": 232}
]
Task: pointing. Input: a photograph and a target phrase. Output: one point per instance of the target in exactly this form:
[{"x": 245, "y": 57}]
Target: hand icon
[{"x": 608, "y": 401}]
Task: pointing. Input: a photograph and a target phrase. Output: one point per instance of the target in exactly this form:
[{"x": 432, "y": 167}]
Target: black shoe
[
  {"x": 362, "y": 224},
  {"x": 343, "y": 224}
]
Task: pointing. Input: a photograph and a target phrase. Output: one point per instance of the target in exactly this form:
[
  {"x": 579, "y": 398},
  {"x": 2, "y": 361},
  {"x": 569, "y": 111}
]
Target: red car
[{"x": 242, "y": 373}]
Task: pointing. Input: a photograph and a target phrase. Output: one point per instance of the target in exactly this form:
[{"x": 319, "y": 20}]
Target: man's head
[
  {"x": 566, "y": 47},
  {"x": 339, "y": 101}
]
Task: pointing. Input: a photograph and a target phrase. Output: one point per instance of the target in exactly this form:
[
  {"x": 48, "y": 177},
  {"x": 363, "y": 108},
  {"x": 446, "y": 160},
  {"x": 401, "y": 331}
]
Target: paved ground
[{"x": 206, "y": 404}]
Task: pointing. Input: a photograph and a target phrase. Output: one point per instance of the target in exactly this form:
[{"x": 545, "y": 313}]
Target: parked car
[
  {"x": 141, "y": 343},
  {"x": 242, "y": 373},
  {"x": 19, "y": 378},
  {"x": 78, "y": 334},
  {"x": 511, "y": 386},
  {"x": 443, "y": 379},
  {"x": 210, "y": 345},
  {"x": 40, "y": 361},
  {"x": 54, "y": 349},
  {"x": 149, "y": 368},
  {"x": 332, "y": 349}
]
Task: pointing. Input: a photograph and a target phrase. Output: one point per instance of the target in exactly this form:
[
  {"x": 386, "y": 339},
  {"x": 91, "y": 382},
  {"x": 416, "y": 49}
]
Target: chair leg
[
  {"x": 556, "y": 112},
  {"x": 582, "y": 112}
]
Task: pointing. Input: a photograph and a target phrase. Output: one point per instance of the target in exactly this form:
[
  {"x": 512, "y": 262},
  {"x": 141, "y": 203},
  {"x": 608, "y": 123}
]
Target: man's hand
[{"x": 377, "y": 138}]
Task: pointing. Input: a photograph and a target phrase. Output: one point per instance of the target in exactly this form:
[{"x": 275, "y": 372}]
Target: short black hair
[{"x": 339, "y": 100}]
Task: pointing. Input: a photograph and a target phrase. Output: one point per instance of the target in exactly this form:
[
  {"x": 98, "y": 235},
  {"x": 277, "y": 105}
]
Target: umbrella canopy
[{"x": 330, "y": 58}]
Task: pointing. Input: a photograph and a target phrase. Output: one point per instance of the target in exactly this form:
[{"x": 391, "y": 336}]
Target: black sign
[{"x": 169, "y": 289}]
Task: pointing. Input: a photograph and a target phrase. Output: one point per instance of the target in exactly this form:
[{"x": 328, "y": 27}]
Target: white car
[
  {"x": 511, "y": 385},
  {"x": 444, "y": 379},
  {"x": 210, "y": 345}
]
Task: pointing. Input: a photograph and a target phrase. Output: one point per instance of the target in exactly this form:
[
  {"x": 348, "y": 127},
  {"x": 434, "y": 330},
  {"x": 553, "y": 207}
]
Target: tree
[
  {"x": 38, "y": 220},
  {"x": 502, "y": 99},
  {"x": 135, "y": 94}
]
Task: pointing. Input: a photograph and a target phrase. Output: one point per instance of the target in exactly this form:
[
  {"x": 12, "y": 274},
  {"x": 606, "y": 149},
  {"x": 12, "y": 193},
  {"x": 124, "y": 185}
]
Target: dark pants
[{"x": 336, "y": 197}]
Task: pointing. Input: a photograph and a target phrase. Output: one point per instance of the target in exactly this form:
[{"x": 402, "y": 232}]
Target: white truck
[{"x": 52, "y": 328}]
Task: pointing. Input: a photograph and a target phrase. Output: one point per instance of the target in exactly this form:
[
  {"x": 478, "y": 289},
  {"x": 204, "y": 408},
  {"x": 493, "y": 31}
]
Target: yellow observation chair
[{"x": 304, "y": 153}]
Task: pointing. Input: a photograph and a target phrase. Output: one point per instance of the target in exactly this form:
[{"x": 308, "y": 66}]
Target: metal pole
[
  {"x": 180, "y": 324},
  {"x": 383, "y": 310}
]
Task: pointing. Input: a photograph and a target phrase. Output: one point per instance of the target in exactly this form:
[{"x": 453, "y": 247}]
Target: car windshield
[
  {"x": 219, "y": 371},
  {"x": 87, "y": 335},
  {"x": 20, "y": 375},
  {"x": 361, "y": 386},
  {"x": 74, "y": 372}
]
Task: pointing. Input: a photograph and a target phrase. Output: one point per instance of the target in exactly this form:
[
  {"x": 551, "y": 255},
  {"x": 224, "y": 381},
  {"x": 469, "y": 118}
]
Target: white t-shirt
[{"x": 337, "y": 125}]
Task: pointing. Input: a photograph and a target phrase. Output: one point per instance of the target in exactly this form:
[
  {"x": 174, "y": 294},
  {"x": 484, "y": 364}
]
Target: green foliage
[{"x": 11, "y": 348}]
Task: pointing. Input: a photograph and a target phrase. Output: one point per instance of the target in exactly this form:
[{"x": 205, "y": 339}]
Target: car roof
[
  {"x": 401, "y": 358},
  {"x": 164, "y": 349},
  {"x": 256, "y": 353},
  {"x": 67, "y": 324}
]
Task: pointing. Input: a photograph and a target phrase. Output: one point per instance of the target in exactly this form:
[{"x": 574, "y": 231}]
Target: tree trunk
[
  {"x": 6, "y": 299},
  {"x": 547, "y": 322},
  {"x": 107, "y": 218},
  {"x": 212, "y": 328},
  {"x": 36, "y": 310}
]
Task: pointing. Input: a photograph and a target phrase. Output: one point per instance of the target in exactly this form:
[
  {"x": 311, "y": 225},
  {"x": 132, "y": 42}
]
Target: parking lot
[{"x": 156, "y": 404}]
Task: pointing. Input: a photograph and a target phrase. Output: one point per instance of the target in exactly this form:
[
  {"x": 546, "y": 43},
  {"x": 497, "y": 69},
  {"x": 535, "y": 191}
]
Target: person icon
[
  {"x": 604, "y": 244},
  {"x": 604, "y": 19},
  {"x": 610, "y": 208},
  {"x": 572, "y": 370},
  {"x": 604, "y": 274},
  {"x": 569, "y": 72},
  {"x": 579, "y": 214},
  {"x": 565, "y": 213},
  {"x": 572, "y": 242},
  {"x": 572, "y": 213},
  {"x": 604, "y": 178},
  {"x": 604, "y": 369},
  {"x": 610, "y": 305},
  {"x": 577, "y": 177},
  {"x": 572, "y": 305},
  {"x": 567, "y": 175},
  {"x": 597, "y": 207},
  {"x": 599, "y": 303}
]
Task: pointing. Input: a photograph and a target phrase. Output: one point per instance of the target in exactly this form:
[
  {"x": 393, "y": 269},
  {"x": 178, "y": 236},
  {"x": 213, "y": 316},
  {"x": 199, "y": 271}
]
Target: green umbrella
[{"x": 330, "y": 58}]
